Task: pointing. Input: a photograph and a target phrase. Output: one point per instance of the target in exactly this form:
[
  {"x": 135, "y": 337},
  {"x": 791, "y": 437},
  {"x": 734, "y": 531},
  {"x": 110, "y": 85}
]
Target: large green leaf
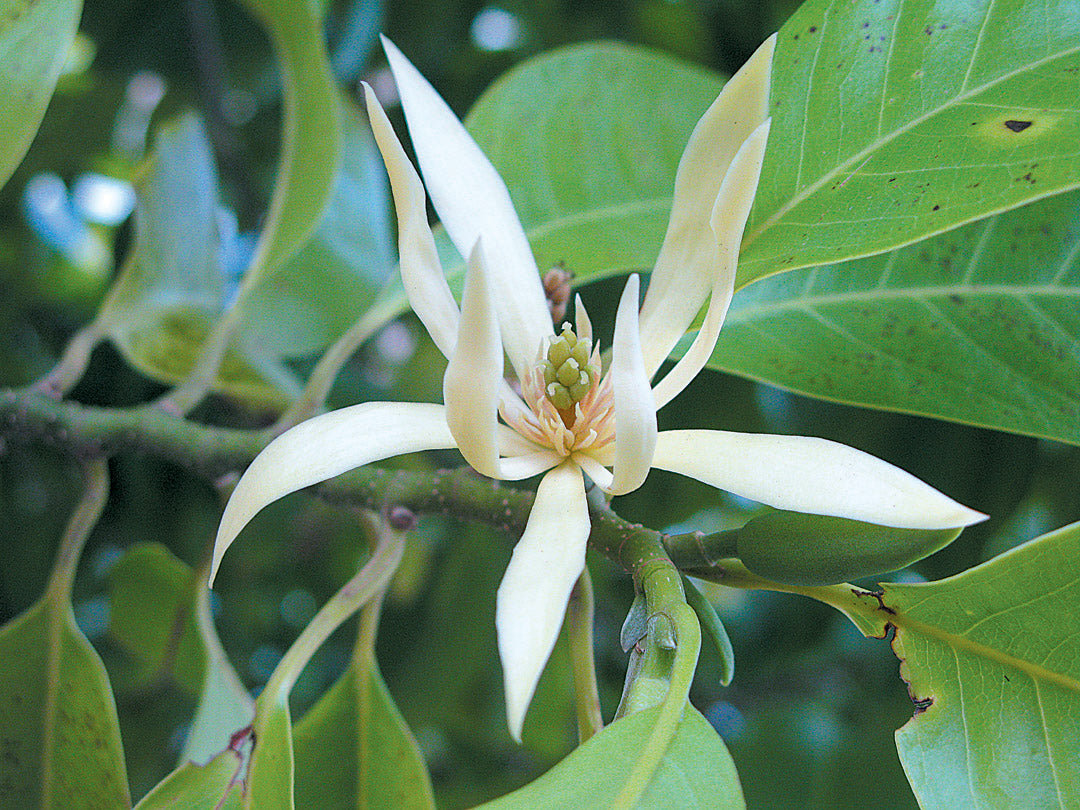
[
  {"x": 59, "y": 735},
  {"x": 696, "y": 771},
  {"x": 356, "y": 723},
  {"x": 980, "y": 325},
  {"x": 159, "y": 617},
  {"x": 588, "y": 138},
  {"x": 34, "y": 41},
  {"x": 171, "y": 286},
  {"x": 992, "y": 657},
  {"x": 894, "y": 120},
  {"x": 150, "y": 618}
]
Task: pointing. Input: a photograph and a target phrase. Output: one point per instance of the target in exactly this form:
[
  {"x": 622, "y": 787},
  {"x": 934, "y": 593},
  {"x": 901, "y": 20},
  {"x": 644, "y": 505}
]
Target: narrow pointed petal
[
  {"x": 421, "y": 272},
  {"x": 325, "y": 446},
  {"x": 804, "y": 474},
  {"x": 532, "y": 598},
  {"x": 600, "y": 474},
  {"x": 635, "y": 412},
  {"x": 512, "y": 443},
  {"x": 688, "y": 257},
  {"x": 517, "y": 468},
  {"x": 473, "y": 380},
  {"x": 472, "y": 201},
  {"x": 729, "y": 215},
  {"x": 584, "y": 324}
]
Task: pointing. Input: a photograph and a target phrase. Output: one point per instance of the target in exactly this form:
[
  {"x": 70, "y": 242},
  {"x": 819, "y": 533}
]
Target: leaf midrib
[
  {"x": 598, "y": 214},
  {"x": 878, "y": 295},
  {"x": 904, "y": 621},
  {"x": 54, "y": 607}
]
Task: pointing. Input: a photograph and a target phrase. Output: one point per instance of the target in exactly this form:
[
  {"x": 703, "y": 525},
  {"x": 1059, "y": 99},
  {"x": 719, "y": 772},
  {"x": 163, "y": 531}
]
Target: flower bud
[{"x": 801, "y": 549}]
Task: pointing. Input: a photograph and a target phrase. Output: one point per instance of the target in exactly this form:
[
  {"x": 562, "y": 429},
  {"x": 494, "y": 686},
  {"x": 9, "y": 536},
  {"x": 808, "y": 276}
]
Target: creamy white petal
[
  {"x": 325, "y": 446},
  {"x": 584, "y": 324},
  {"x": 600, "y": 474},
  {"x": 729, "y": 215},
  {"x": 635, "y": 413},
  {"x": 421, "y": 272},
  {"x": 532, "y": 598},
  {"x": 517, "y": 468},
  {"x": 512, "y": 399},
  {"x": 473, "y": 380},
  {"x": 472, "y": 202},
  {"x": 512, "y": 443},
  {"x": 804, "y": 474},
  {"x": 688, "y": 257}
]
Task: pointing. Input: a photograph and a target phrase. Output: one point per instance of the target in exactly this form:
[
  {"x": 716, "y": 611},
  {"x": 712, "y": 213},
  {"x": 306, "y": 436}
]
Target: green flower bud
[{"x": 801, "y": 549}]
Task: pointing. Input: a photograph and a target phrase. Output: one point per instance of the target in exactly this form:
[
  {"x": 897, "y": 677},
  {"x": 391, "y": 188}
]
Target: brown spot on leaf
[{"x": 1017, "y": 126}]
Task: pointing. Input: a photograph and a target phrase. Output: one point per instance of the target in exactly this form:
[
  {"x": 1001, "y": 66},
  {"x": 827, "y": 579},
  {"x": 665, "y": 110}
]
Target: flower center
[{"x": 569, "y": 407}]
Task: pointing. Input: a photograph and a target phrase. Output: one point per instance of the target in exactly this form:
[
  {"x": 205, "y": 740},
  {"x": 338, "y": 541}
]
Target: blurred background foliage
[{"x": 810, "y": 714}]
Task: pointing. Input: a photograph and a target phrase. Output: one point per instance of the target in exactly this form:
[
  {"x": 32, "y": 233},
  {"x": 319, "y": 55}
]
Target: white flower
[{"x": 569, "y": 420}]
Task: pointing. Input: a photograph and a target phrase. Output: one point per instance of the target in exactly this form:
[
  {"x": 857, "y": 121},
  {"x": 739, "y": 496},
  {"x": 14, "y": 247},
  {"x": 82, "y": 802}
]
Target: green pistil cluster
[{"x": 567, "y": 373}]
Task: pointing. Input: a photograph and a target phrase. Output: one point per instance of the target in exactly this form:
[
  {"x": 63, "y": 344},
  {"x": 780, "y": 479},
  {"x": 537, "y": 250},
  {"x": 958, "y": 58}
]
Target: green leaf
[
  {"x": 59, "y": 734},
  {"x": 354, "y": 750},
  {"x": 158, "y": 614},
  {"x": 317, "y": 294},
  {"x": 224, "y": 705},
  {"x": 270, "y": 771},
  {"x": 171, "y": 287},
  {"x": 980, "y": 325},
  {"x": 601, "y": 127},
  {"x": 894, "y": 121},
  {"x": 311, "y": 132},
  {"x": 213, "y": 786},
  {"x": 150, "y": 617},
  {"x": 35, "y": 38},
  {"x": 696, "y": 771},
  {"x": 587, "y": 138},
  {"x": 992, "y": 659}
]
